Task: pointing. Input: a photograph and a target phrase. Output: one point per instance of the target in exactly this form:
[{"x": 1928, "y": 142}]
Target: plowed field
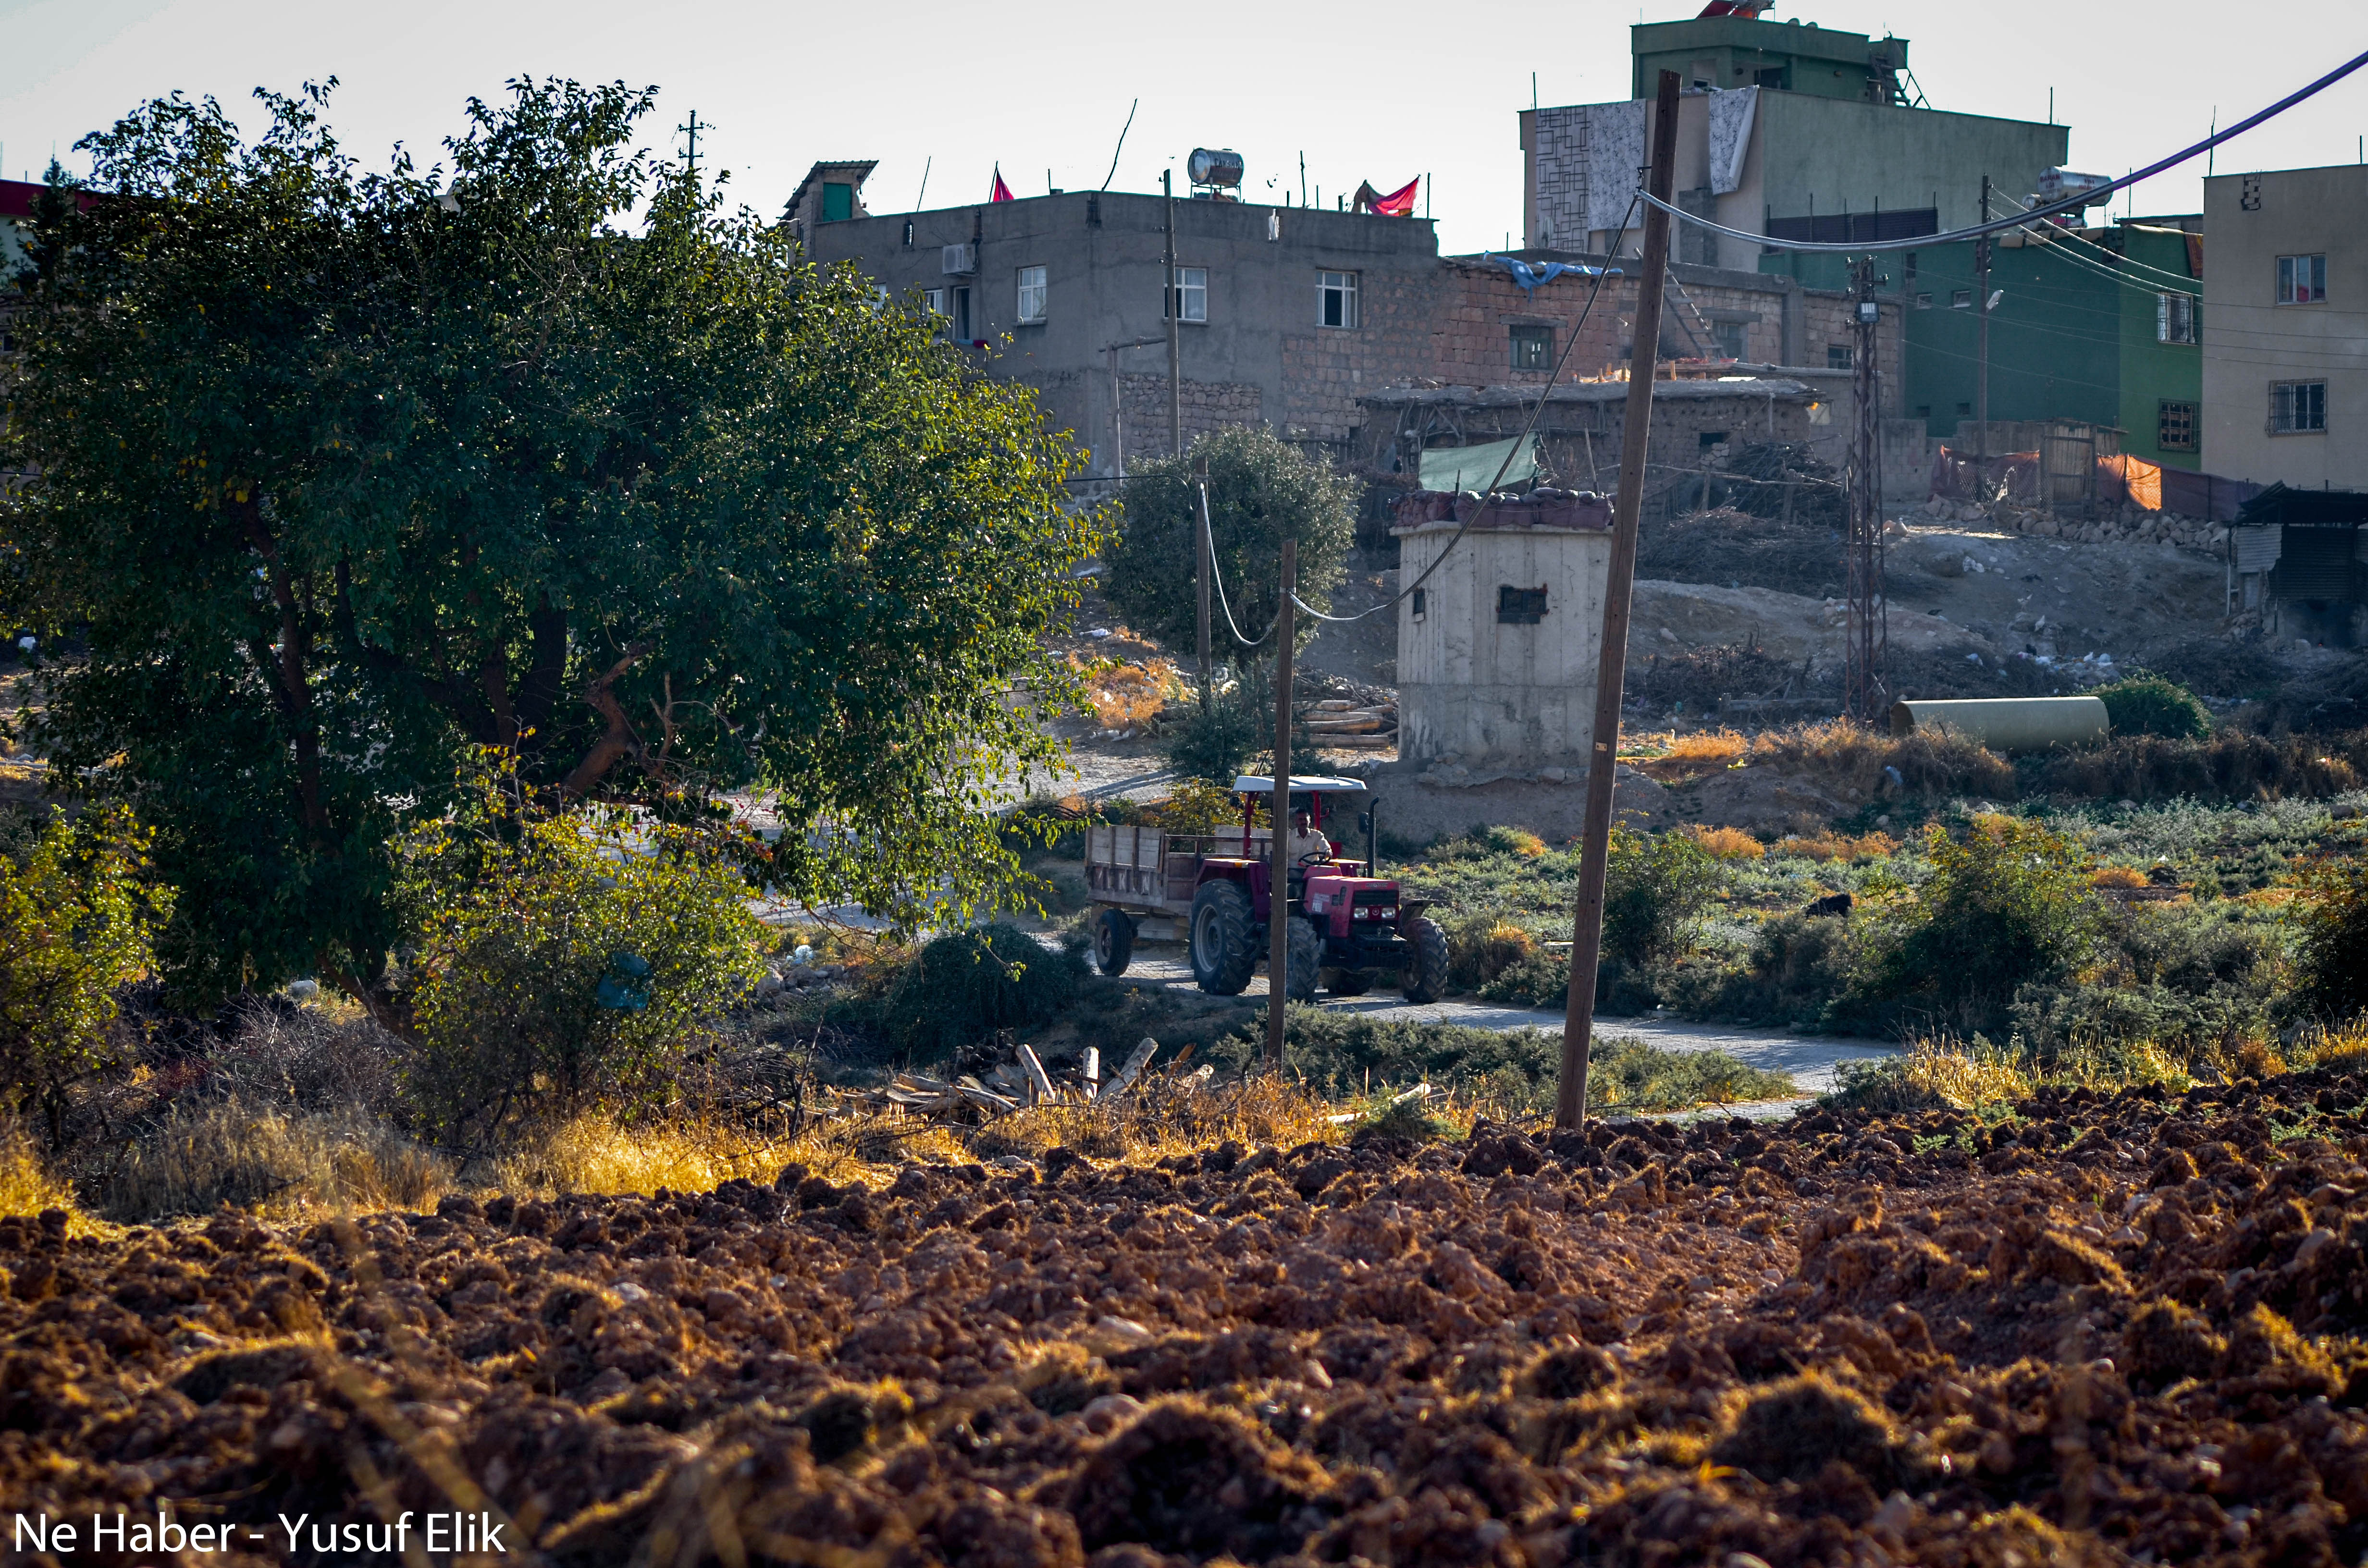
[{"x": 2113, "y": 1329}]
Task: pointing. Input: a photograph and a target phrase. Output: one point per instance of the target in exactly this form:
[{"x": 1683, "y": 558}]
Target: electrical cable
[
  {"x": 1528, "y": 431},
  {"x": 1217, "y": 581},
  {"x": 2069, "y": 204}
]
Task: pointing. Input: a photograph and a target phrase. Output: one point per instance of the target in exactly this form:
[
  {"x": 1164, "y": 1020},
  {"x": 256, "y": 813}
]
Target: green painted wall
[
  {"x": 1804, "y": 58},
  {"x": 2154, "y": 372}
]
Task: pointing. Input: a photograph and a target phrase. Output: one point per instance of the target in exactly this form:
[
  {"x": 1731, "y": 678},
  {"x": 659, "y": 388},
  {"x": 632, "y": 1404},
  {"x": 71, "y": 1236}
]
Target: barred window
[
  {"x": 2177, "y": 318},
  {"x": 1533, "y": 347},
  {"x": 2297, "y": 408},
  {"x": 2175, "y": 428}
]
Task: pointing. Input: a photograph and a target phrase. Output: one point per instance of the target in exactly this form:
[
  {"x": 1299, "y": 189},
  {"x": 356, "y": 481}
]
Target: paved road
[{"x": 1814, "y": 1060}]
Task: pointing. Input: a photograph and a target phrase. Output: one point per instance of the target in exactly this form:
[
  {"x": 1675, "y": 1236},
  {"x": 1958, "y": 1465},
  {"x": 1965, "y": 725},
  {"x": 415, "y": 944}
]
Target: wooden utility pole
[
  {"x": 1982, "y": 354},
  {"x": 1612, "y": 662},
  {"x": 1277, "y": 921},
  {"x": 1167, "y": 302},
  {"x": 1867, "y": 650},
  {"x": 1202, "y": 556}
]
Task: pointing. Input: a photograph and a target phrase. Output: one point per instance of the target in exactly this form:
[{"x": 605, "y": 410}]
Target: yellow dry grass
[
  {"x": 2117, "y": 877},
  {"x": 28, "y": 1186},
  {"x": 273, "y": 1162},
  {"x": 1127, "y": 695},
  {"x": 1707, "y": 745},
  {"x": 1726, "y": 843},
  {"x": 1828, "y": 845}
]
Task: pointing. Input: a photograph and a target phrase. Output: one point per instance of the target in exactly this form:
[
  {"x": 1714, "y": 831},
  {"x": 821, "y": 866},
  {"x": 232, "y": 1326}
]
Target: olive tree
[{"x": 339, "y": 475}]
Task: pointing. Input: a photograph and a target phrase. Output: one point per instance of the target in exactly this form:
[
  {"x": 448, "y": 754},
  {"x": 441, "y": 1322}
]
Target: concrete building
[
  {"x": 1498, "y": 650},
  {"x": 1785, "y": 128},
  {"x": 2286, "y": 327}
]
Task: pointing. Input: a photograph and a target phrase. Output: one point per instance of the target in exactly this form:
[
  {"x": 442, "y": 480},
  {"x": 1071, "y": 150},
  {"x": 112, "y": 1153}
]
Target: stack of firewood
[
  {"x": 1337, "y": 722},
  {"x": 1020, "y": 1083}
]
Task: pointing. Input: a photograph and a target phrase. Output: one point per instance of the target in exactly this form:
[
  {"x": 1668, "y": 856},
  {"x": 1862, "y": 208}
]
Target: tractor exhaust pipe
[{"x": 1370, "y": 820}]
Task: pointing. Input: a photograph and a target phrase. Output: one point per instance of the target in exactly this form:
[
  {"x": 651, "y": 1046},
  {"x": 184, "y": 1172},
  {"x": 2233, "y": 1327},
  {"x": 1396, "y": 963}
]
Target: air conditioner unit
[{"x": 959, "y": 261}]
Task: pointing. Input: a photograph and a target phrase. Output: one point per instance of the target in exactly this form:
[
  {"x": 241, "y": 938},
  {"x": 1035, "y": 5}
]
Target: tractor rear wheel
[
  {"x": 1348, "y": 981},
  {"x": 1425, "y": 978},
  {"x": 1223, "y": 956},
  {"x": 1114, "y": 941},
  {"x": 1304, "y": 954}
]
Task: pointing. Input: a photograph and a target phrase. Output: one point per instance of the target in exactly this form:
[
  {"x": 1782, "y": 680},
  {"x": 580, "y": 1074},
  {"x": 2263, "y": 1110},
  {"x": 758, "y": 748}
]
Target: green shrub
[
  {"x": 2147, "y": 704},
  {"x": 1798, "y": 973},
  {"x": 75, "y": 924},
  {"x": 2332, "y": 941},
  {"x": 560, "y": 961},
  {"x": 1538, "y": 979},
  {"x": 1212, "y": 745},
  {"x": 2006, "y": 904},
  {"x": 962, "y": 987},
  {"x": 1656, "y": 889},
  {"x": 1629, "y": 1075},
  {"x": 1482, "y": 945}
]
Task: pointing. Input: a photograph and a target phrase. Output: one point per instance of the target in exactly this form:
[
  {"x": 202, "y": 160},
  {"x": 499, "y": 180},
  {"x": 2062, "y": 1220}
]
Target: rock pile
[{"x": 2128, "y": 524}]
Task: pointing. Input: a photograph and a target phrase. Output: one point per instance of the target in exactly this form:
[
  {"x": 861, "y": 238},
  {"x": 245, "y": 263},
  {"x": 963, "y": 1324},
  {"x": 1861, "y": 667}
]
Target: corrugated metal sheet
[
  {"x": 2256, "y": 549},
  {"x": 2315, "y": 563}
]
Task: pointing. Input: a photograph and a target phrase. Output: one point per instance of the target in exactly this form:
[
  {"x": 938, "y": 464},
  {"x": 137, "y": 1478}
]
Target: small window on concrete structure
[
  {"x": 1838, "y": 355},
  {"x": 2297, "y": 408},
  {"x": 1193, "y": 284},
  {"x": 1772, "y": 78},
  {"x": 2175, "y": 428},
  {"x": 838, "y": 203},
  {"x": 1961, "y": 299},
  {"x": 1533, "y": 347},
  {"x": 1709, "y": 439},
  {"x": 1923, "y": 410},
  {"x": 1965, "y": 408},
  {"x": 1421, "y": 603},
  {"x": 2175, "y": 318},
  {"x": 2302, "y": 279},
  {"x": 1032, "y": 293},
  {"x": 1520, "y": 606},
  {"x": 935, "y": 299},
  {"x": 1731, "y": 337},
  {"x": 1336, "y": 299},
  {"x": 1923, "y": 302}
]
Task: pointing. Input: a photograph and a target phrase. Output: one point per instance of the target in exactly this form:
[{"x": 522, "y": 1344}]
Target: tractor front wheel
[
  {"x": 1223, "y": 956},
  {"x": 1114, "y": 941},
  {"x": 1425, "y": 979},
  {"x": 1304, "y": 954}
]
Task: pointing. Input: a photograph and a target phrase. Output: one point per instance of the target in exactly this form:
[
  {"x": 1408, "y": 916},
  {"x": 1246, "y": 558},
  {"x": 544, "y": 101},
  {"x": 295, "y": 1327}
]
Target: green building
[
  {"x": 1726, "y": 52},
  {"x": 2102, "y": 325}
]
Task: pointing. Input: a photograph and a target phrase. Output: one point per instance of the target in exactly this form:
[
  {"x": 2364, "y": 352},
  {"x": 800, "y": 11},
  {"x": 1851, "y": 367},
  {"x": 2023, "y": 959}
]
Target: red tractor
[{"x": 1346, "y": 924}]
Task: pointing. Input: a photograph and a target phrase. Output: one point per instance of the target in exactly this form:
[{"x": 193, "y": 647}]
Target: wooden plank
[
  {"x": 1038, "y": 1079},
  {"x": 1137, "y": 1060},
  {"x": 1093, "y": 1072}
]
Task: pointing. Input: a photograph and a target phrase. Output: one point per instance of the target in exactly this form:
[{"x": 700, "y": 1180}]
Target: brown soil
[{"x": 2111, "y": 1330}]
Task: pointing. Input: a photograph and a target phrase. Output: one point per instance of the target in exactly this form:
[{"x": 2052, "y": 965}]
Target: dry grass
[
  {"x": 2117, "y": 877},
  {"x": 273, "y": 1162},
  {"x": 1853, "y": 755},
  {"x": 1726, "y": 843},
  {"x": 1127, "y": 695},
  {"x": 27, "y": 1185},
  {"x": 1944, "y": 1071},
  {"x": 1828, "y": 845},
  {"x": 1707, "y": 745},
  {"x": 2318, "y": 1047}
]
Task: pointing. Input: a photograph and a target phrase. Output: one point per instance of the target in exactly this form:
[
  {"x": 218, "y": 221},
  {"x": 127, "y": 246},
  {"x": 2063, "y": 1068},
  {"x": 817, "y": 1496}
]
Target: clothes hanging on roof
[
  {"x": 1398, "y": 203},
  {"x": 1528, "y": 274},
  {"x": 1731, "y": 114}
]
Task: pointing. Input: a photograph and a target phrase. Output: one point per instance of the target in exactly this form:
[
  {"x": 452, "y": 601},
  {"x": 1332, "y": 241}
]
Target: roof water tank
[{"x": 1215, "y": 166}]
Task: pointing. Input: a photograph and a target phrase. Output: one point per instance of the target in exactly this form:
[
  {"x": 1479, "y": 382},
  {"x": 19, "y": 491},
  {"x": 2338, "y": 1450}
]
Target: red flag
[
  {"x": 1398, "y": 203},
  {"x": 1001, "y": 192}
]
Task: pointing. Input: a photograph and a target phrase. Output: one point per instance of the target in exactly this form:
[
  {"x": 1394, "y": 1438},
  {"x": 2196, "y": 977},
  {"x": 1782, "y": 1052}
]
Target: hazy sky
[{"x": 1382, "y": 91}]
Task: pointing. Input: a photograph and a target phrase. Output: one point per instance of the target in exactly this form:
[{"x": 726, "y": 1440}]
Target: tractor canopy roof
[{"x": 1250, "y": 784}]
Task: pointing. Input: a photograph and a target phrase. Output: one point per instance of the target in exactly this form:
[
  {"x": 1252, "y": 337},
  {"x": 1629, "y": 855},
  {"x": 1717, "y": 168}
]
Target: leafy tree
[
  {"x": 74, "y": 920},
  {"x": 1263, "y": 489},
  {"x": 1656, "y": 889},
  {"x": 560, "y": 959},
  {"x": 340, "y": 474},
  {"x": 2332, "y": 945}
]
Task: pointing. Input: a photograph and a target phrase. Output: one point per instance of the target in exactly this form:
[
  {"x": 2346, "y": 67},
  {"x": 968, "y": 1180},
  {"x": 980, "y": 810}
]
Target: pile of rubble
[{"x": 2125, "y": 525}]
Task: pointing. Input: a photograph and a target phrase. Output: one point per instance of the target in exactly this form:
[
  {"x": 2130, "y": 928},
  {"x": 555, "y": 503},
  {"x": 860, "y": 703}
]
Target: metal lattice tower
[{"x": 1866, "y": 660}]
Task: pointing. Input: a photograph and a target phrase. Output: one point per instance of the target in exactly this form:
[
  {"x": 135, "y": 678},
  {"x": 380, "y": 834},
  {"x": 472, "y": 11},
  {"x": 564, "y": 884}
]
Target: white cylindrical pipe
[{"x": 2009, "y": 724}]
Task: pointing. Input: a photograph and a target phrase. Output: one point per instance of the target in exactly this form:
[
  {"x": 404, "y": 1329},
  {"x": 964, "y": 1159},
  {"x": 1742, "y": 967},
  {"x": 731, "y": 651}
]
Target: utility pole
[
  {"x": 690, "y": 128},
  {"x": 1200, "y": 559},
  {"x": 1982, "y": 352},
  {"x": 1867, "y": 652},
  {"x": 1168, "y": 304},
  {"x": 1277, "y": 902},
  {"x": 1611, "y": 659}
]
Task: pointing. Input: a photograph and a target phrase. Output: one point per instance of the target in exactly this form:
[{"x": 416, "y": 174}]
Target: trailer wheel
[
  {"x": 1425, "y": 978},
  {"x": 1223, "y": 953},
  {"x": 1302, "y": 955},
  {"x": 1114, "y": 941}
]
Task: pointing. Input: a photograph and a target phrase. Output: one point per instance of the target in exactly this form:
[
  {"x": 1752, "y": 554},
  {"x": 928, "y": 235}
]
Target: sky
[{"x": 1384, "y": 91}]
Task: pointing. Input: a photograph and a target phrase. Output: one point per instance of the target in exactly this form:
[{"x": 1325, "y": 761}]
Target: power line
[{"x": 2069, "y": 204}]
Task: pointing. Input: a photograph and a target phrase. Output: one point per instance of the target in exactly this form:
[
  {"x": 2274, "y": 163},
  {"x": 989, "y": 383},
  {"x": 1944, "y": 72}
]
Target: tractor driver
[{"x": 1305, "y": 841}]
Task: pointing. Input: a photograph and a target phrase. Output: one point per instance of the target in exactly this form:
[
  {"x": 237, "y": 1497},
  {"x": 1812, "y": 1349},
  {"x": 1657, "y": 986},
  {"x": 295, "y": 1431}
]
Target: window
[
  {"x": 1520, "y": 606},
  {"x": 2297, "y": 408},
  {"x": 838, "y": 203},
  {"x": 1923, "y": 302},
  {"x": 1032, "y": 293},
  {"x": 1336, "y": 299},
  {"x": 2302, "y": 279},
  {"x": 2175, "y": 318},
  {"x": 1731, "y": 336},
  {"x": 2175, "y": 428},
  {"x": 1421, "y": 603},
  {"x": 1838, "y": 355},
  {"x": 1963, "y": 300},
  {"x": 1192, "y": 283},
  {"x": 1533, "y": 347},
  {"x": 960, "y": 312},
  {"x": 935, "y": 299}
]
